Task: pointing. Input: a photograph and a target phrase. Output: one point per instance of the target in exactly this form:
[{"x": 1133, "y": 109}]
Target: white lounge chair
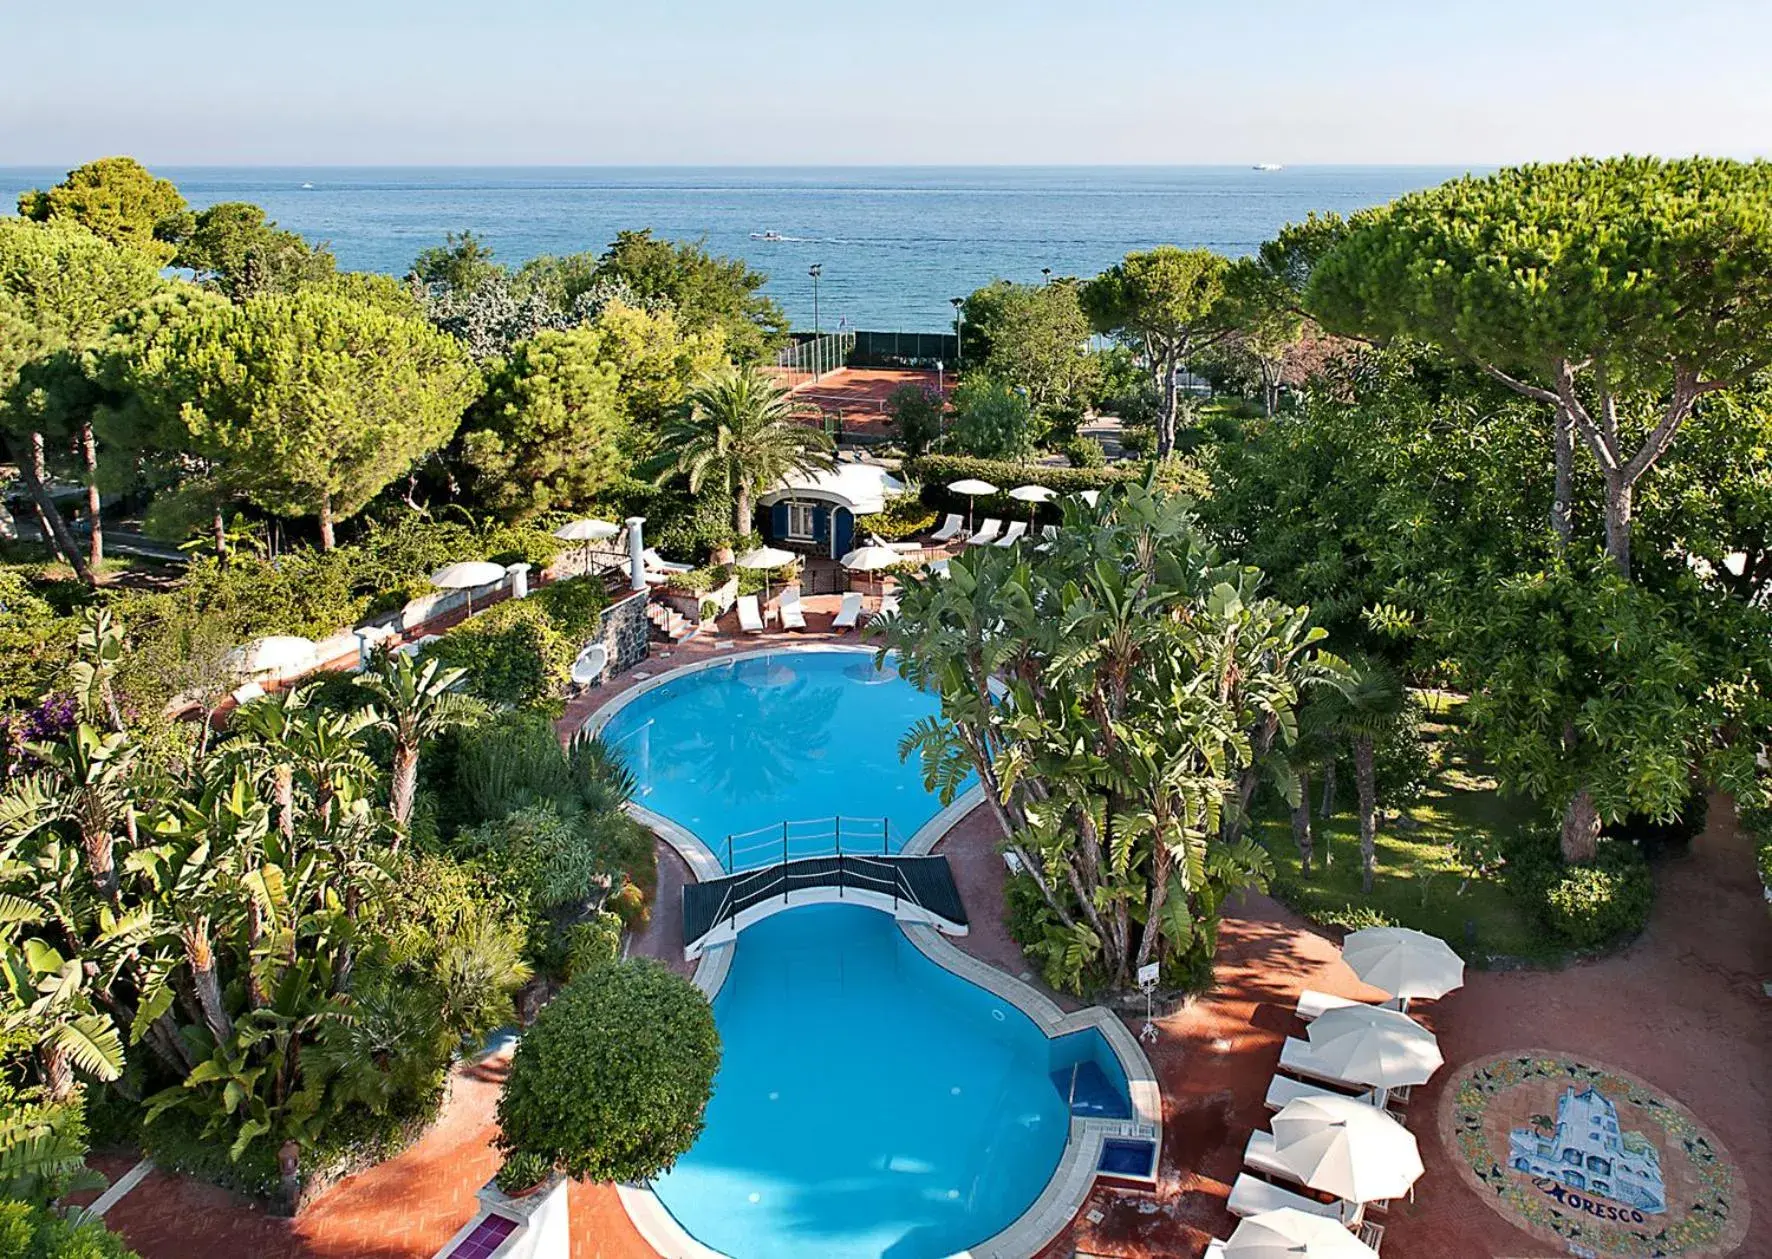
[
  {"x": 903, "y": 548},
  {"x": 940, "y": 569},
  {"x": 750, "y": 617},
  {"x": 1251, "y": 1196},
  {"x": 1296, "y": 1059},
  {"x": 951, "y": 528},
  {"x": 848, "y": 613},
  {"x": 1014, "y": 533},
  {"x": 888, "y": 606},
  {"x": 659, "y": 564},
  {"x": 1049, "y": 533},
  {"x": 792, "y": 615},
  {"x": 1283, "y": 1088},
  {"x": 1313, "y": 1004},
  {"x": 987, "y": 533}
]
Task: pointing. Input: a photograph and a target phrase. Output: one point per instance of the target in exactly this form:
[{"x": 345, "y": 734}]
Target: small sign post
[{"x": 1147, "y": 980}]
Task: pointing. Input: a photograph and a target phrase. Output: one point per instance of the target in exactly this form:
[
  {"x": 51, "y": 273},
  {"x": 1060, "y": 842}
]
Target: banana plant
[{"x": 413, "y": 703}]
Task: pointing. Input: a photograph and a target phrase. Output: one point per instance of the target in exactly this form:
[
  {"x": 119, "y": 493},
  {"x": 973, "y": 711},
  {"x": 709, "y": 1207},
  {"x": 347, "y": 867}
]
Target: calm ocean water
[{"x": 896, "y": 243}]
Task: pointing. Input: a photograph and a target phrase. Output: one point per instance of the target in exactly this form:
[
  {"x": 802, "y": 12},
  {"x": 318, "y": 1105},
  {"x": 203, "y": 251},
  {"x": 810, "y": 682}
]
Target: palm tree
[
  {"x": 1372, "y": 702},
  {"x": 740, "y": 433},
  {"x": 413, "y": 703}
]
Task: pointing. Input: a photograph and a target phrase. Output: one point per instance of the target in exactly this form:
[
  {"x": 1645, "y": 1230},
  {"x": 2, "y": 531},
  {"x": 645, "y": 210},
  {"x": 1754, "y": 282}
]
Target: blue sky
[{"x": 892, "y": 81}]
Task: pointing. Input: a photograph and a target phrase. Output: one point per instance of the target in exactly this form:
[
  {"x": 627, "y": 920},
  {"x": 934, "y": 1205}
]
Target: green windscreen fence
[{"x": 903, "y": 349}]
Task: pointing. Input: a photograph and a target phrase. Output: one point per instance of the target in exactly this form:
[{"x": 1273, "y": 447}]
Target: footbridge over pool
[{"x": 911, "y": 889}]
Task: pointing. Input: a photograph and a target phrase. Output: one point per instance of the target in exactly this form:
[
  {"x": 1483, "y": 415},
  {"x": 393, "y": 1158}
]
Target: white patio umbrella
[
  {"x": 1371, "y": 1045},
  {"x": 1293, "y": 1234},
  {"x": 469, "y": 575},
  {"x": 1345, "y": 1147},
  {"x": 587, "y": 532},
  {"x": 766, "y": 558},
  {"x": 1404, "y": 962},
  {"x": 871, "y": 559},
  {"x": 1092, "y": 497},
  {"x": 272, "y": 654},
  {"x": 971, "y": 487},
  {"x": 1032, "y": 495}
]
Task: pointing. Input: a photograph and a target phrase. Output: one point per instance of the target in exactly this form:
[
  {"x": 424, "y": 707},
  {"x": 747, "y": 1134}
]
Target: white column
[
  {"x": 519, "y": 579},
  {"x": 637, "y": 552},
  {"x": 367, "y": 638}
]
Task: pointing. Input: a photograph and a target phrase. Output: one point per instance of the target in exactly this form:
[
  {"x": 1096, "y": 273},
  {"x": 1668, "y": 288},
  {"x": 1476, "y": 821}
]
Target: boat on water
[
  {"x": 307, "y": 185},
  {"x": 1268, "y": 166},
  {"x": 769, "y": 235}
]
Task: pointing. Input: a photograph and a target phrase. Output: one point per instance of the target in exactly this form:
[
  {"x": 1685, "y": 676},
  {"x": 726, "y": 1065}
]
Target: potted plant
[{"x": 522, "y": 1173}]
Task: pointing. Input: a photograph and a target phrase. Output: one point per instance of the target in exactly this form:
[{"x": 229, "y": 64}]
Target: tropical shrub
[
  {"x": 592, "y": 943},
  {"x": 904, "y": 517},
  {"x": 1138, "y": 440},
  {"x": 610, "y": 1082},
  {"x": 512, "y": 653},
  {"x": 575, "y": 607},
  {"x": 512, "y": 762},
  {"x": 992, "y": 421},
  {"x": 1084, "y": 452},
  {"x": 1601, "y": 903},
  {"x": 36, "y": 1232},
  {"x": 521, "y": 1172}
]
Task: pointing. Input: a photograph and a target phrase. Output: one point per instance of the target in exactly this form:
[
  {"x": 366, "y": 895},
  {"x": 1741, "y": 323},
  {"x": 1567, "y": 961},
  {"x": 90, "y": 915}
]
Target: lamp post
[
  {"x": 1047, "y": 272},
  {"x": 816, "y": 270},
  {"x": 959, "y": 353}
]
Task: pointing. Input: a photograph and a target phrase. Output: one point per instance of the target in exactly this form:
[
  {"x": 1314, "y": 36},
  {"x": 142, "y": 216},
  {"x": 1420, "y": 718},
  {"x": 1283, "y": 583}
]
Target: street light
[
  {"x": 959, "y": 353},
  {"x": 1047, "y": 272},
  {"x": 815, "y": 270}
]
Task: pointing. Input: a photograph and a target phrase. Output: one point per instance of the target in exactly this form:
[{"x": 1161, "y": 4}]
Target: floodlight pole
[{"x": 959, "y": 352}]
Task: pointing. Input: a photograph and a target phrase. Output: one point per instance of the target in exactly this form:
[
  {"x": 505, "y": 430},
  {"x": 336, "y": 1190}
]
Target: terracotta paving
[{"x": 1682, "y": 1008}]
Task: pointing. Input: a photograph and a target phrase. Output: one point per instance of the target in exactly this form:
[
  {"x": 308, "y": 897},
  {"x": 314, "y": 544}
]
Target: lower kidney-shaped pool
[{"x": 871, "y": 1103}]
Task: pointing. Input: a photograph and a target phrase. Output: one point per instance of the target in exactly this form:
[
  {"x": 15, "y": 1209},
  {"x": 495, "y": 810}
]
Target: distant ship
[
  {"x": 1268, "y": 166},
  {"x": 770, "y": 235},
  {"x": 307, "y": 185}
]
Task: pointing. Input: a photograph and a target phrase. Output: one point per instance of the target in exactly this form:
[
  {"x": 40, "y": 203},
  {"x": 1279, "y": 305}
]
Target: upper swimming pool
[{"x": 739, "y": 747}]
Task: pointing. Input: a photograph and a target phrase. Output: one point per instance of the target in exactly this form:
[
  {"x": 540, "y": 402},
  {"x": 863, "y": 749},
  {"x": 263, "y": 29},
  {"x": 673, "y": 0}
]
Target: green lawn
[{"x": 1418, "y": 882}]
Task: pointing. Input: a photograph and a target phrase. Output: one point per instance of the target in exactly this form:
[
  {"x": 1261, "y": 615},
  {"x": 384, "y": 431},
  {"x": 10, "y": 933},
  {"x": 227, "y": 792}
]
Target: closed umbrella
[
  {"x": 766, "y": 558},
  {"x": 1293, "y": 1234},
  {"x": 1342, "y": 1146},
  {"x": 971, "y": 488},
  {"x": 587, "y": 532},
  {"x": 469, "y": 575},
  {"x": 1370, "y": 1045},
  {"x": 274, "y": 653},
  {"x": 1403, "y": 962},
  {"x": 1032, "y": 495}
]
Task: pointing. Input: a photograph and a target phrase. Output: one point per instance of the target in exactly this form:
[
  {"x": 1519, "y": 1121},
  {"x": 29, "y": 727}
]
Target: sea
[{"x": 893, "y": 244}]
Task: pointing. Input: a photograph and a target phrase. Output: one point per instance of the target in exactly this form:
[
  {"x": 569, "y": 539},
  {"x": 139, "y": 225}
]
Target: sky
[{"x": 1033, "y": 82}]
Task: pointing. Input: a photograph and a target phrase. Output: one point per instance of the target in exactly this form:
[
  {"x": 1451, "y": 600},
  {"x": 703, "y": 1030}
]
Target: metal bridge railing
[{"x": 813, "y": 837}]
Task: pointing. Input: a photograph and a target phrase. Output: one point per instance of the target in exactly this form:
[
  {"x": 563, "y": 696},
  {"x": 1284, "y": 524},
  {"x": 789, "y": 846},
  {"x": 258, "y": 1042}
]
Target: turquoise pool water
[
  {"x": 869, "y": 1103},
  {"x": 787, "y": 736}
]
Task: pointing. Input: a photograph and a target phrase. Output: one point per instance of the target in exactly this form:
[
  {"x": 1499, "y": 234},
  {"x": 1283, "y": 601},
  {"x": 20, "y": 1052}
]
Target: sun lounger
[
  {"x": 987, "y": 533},
  {"x": 1012, "y": 534},
  {"x": 1259, "y": 1156},
  {"x": 940, "y": 569},
  {"x": 849, "y": 612},
  {"x": 903, "y": 548},
  {"x": 951, "y": 528},
  {"x": 1251, "y": 1196},
  {"x": 659, "y": 564},
  {"x": 888, "y": 606},
  {"x": 750, "y": 618},
  {"x": 789, "y": 610},
  {"x": 1283, "y": 1088},
  {"x": 1313, "y": 1004},
  {"x": 1296, "y": 1059}
]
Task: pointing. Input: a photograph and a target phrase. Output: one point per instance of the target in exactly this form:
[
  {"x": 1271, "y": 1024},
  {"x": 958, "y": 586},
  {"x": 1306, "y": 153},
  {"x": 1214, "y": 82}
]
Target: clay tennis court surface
[{"x": 859, "y": 394}]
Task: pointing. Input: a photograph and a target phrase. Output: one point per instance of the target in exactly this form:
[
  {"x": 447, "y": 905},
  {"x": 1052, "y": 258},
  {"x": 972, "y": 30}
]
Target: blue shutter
[
  {"x": 778, "y": 521},
  {"x": 845, "y": 528}
]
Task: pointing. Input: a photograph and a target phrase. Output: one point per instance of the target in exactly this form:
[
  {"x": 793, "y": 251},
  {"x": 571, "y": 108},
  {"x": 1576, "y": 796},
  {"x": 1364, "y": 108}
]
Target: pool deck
[{"x": 1682, "y": 1007}]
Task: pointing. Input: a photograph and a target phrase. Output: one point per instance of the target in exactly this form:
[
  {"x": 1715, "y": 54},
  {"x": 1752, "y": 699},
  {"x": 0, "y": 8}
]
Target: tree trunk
[
  {"x": 1301, "y": 823},
  {"x": 58, "y": 1072},
  {"x": 101, "y": 865},
  {"x": 1161, "y": 861},
  {"x": 95, "y": 554},
  {"x": 1328, "y": 809},
  {"x": 1166, "y": 396},
  {"x": 220, "y": 528},
  {"x": 326, "y": 522},
  {"x": 1563, "y": 494},
  {"x": 284, "y": 789},
  {"x": 56, "y": 534},
  {"x": 1581, "y": 828},
  {"x": 201, "y": 959},
  {"x": 255, "y": 931},
  {"x": 741, "y": 511},
  {"x": 404, "y": 786},
  {"x": 1619, "y": 495},
  {"x": 1364, "y": 779}
]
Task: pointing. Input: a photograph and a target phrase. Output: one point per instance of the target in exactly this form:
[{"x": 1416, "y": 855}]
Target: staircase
[{"x": 668, "y": 624}]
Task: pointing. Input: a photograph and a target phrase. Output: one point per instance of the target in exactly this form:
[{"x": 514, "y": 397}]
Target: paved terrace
[{"x": 1682, "y": 1007}]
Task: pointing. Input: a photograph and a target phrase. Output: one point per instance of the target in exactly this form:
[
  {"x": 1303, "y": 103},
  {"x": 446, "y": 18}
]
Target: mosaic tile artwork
[{"x": 1592, "y": 1159}]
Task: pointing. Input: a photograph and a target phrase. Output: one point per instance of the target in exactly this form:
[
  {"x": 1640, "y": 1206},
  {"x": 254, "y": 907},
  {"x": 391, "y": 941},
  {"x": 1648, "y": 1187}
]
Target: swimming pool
[
  {"x": 739, "y": 747},
  {"x": 870, "y": 1103}
]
